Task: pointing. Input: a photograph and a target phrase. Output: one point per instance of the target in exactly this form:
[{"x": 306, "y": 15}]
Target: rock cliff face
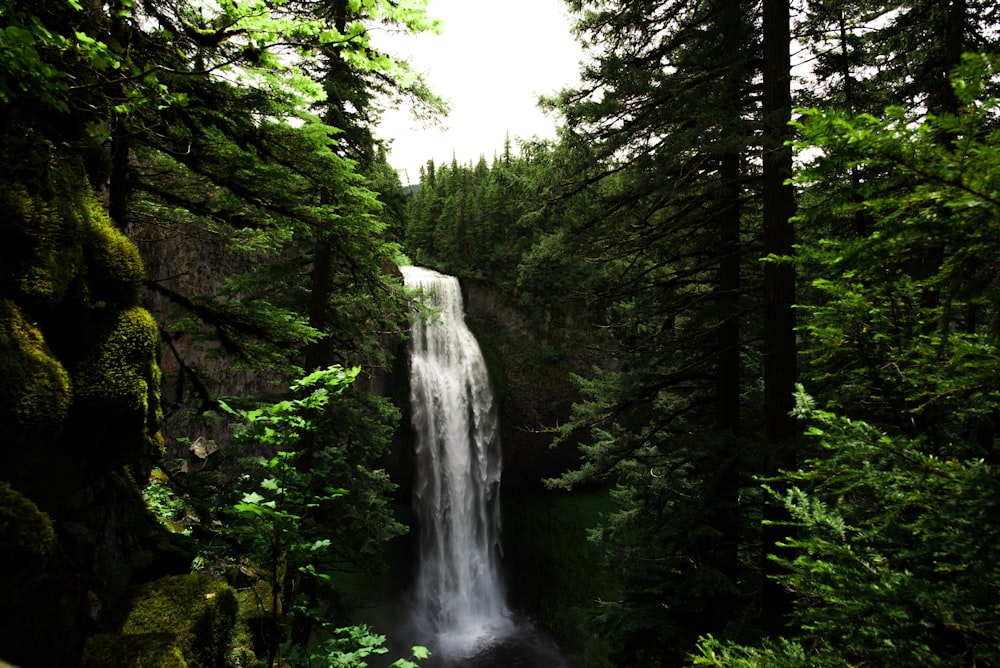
[
  {"x": 79, "y": 405},
  {"x": 531, "y": 357},
  {"x": 551, "y": 568},
  {"x": 187, "y": 262},
  {"x": 191, "y": 261}
]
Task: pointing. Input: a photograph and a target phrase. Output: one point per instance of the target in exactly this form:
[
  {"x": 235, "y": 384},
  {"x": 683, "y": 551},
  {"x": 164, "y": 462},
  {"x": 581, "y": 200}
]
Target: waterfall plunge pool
[{"x": 520, "y": 643}]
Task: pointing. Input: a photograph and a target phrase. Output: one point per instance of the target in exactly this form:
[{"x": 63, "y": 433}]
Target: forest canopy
[
  {"x": 789, "y": 268},
  {"x": 215, "y": 162},
  {"x": 771, "y": 223}
]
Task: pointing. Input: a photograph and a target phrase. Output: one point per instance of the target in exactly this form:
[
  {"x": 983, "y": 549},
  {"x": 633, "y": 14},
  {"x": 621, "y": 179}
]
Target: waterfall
[{"x": 459, "y": 599}]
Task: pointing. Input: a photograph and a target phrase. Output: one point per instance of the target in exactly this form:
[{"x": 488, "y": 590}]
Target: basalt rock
[
  {"x": 531, "y": 357},
  {"x": 79, "y": 406}
]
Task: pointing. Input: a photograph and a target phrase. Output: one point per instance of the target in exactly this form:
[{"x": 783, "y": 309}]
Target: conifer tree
[
  {"x": 888, "y": 47},
  {"x": 669, "y": 110},
  {"x": 892, "y": 557},
  {"x": 249, "y": 160}
]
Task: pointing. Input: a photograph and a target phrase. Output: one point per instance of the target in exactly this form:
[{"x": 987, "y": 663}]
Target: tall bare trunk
[{"x": 779, "y": 277}]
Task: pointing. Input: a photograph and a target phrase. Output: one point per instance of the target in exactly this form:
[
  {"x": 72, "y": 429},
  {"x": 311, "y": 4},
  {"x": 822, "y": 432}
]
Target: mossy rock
[
  {"x": 35, "y": 394},
  {"x": 114, "y": 270},
  {"x": 152, "y": 650},
  {"x": 25, "y": 531},
  {"x": 40, "y": 247},
  {"x": 122, "y": 348},
  {"x": 42, "y": 599},
  {"x": 255, "y": 602},
  {"x": 79, "y": 403},
  {"x": 57, "y": 244},
  {"x": 116, "y": 410},
  {"x": 184, "y": 620}
]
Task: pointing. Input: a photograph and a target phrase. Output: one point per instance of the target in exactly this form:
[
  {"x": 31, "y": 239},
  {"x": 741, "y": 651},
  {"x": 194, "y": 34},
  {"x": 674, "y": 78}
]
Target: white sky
[{"x": 491, "y": 61}]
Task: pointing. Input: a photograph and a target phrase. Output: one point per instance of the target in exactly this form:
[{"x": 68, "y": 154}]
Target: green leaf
[
  {"x": 250, "y": 508},
  {"x": 253, "y": 498}
]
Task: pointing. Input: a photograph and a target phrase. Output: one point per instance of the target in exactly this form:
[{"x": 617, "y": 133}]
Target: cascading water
[{"x": 459, "y": 601}]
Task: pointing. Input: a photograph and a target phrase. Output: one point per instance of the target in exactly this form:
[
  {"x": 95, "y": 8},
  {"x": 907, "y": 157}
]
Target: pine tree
[
  {"x": 892, "y": 557},
  {"x": 668, "y": 113}
]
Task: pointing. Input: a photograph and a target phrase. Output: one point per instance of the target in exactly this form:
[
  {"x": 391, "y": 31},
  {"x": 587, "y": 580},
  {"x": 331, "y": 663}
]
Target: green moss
[
  {"x": 64, "y": 263},
  {"x": 39, "y": 246},
  {"x": 117, "y": 403},
  {"x": 155, "y": 650},
  {"x": 25, "y": 531},
  {"x": 79, "y": 403},
  {"x": 190, "y": 614},
  {"x": 122, "y": 349},
  {"x": 35, "y": 393},
  {"x": 242, "y": 652},
  {"x": 57, "y": 244},
  {"x": 43, "y": 598},
  {"x": 41, "y": 223},
  {"x": 255, "y": 605},
  {"x": 114, "y": 270}
]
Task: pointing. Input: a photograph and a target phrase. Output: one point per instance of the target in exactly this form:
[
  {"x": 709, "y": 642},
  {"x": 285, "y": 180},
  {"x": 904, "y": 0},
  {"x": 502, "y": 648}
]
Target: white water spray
[{"x": 459, "y": 596}]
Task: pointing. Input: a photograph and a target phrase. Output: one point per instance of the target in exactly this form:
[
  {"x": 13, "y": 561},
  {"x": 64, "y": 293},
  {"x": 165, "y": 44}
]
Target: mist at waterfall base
[{"x": 456, "y": 605}]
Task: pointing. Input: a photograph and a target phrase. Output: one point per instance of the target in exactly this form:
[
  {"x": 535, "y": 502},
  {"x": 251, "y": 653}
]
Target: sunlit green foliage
[
  {"x": 904, "y": 328},
  {"x": 313, "y": 506}
]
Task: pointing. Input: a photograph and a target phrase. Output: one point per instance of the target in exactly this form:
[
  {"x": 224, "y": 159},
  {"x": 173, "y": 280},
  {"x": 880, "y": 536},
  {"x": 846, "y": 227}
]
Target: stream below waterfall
[{"x": 457, "y": 605}]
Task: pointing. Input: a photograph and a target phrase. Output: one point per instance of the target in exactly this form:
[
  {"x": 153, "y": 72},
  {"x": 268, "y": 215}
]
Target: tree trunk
[
  {"x": 723, "y": 484},
  {"x": 779, "y": 282},
  {"x": 119, "y": 180},
  {"x": 728, "y": 342},
  {"x": 942, "y": 97},
  {"x": 319, "y": 354},
  {"x": 779, "y": 236}
]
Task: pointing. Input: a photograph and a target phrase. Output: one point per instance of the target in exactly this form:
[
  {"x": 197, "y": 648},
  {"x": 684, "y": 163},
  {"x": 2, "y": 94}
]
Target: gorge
[{"x": 458, "y": 602}]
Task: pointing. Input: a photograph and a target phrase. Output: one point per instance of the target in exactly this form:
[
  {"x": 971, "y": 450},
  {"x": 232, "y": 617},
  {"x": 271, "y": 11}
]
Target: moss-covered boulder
[
  {"x": 35, "y": 394},
  {"x": 25, "y": 531},
  {"x": 79, "y": 405},
  {"x": 114, "y": 270},
  {"x": 40, "y": 241},
  {"x": 116, "y": 409},
  {"x": 158, "y": 650},
  {"x": 57, "y": 242},
  {"x": 37, "y": 581},
  {"x": 186, "y": 620}
]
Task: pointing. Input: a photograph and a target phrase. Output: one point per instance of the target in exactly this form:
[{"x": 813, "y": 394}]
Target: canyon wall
[{"x": 79, "y": 407}]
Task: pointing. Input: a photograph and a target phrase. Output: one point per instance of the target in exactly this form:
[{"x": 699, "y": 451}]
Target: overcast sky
[{"x": 491, "y": 61}]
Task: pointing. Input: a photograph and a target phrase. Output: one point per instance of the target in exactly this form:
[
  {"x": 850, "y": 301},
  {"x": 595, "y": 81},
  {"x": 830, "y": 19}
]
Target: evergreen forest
[{"x": 741, "y": 312}]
